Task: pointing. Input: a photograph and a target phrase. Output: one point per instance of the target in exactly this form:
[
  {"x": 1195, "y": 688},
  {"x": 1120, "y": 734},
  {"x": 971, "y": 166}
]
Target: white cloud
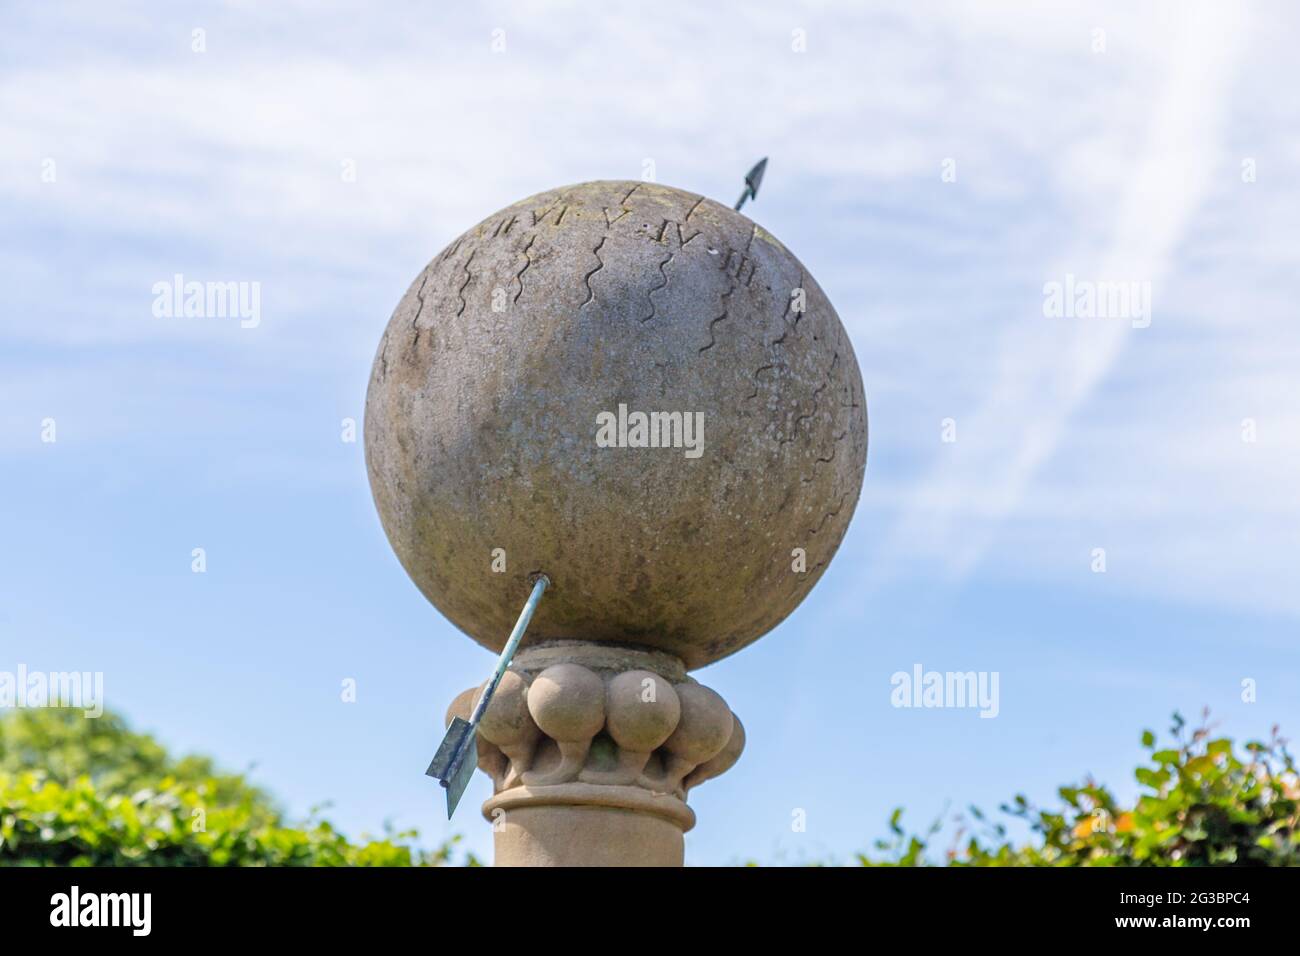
[
  {"x": 1122, "y": 164},
  {"x": 1201, "y": 515}
]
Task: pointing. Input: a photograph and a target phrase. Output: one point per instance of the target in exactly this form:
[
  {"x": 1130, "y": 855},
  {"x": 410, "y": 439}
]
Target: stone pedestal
[
  {"x": 645, "y": 396},
  {"x": 561, "y": 833},
  {"x": 593, "y": 749}
]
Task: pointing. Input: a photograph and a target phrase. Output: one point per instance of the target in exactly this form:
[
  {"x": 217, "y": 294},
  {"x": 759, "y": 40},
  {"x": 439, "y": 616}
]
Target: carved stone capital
[{"x": 593, "y": 750}]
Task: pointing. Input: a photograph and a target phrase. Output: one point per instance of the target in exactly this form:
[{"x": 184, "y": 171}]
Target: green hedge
[
  {"x": 92, "y": 792},
  {"x": 1199, "y": 803},
  {"x": 79, "y": 792}
]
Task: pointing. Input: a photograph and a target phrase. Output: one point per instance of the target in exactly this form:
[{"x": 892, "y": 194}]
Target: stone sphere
[
  {"x": 724, "y": 760},
  {"x": 507, "y": 721},
  {"x": 633, "y": 389},
  {"x": 636, "y": 720},
  {"x": 705, "y": 725},
  {"x": 567, "y": 701}
]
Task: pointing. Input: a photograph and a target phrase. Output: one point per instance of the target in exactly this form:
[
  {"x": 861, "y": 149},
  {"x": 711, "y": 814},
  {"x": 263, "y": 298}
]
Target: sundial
[{"x": 693, "y": 528}]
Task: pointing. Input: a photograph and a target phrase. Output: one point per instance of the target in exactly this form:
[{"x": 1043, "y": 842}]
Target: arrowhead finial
[{"x": 752, "y": 180}]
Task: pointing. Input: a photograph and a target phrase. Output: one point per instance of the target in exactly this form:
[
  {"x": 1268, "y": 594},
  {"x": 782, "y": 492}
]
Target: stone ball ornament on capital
[{"x": 634, "y": 407}]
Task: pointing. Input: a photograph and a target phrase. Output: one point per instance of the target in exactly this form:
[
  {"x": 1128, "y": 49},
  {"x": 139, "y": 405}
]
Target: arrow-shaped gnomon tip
[
  {"x": 453, "y": 765},
  {"x": 752, "y": 180}
]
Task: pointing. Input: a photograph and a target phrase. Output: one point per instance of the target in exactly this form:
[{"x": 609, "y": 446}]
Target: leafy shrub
[
  {"x": 92, "y": 792},
  {"x": 79, "y": 792},
  {"x": 1200, "y": 804}
]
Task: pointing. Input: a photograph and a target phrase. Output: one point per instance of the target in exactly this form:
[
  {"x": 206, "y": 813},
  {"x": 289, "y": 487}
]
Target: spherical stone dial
[{"x": 502, "y": 425}]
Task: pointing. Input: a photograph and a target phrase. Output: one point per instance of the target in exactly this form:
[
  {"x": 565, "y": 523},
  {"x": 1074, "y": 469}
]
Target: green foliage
[
  {"x": 1199, "y": 804},
  {"x": 65, "y": 746},
  {"x": 81, "y": 792},
  {"x": 75, "y": 792}
]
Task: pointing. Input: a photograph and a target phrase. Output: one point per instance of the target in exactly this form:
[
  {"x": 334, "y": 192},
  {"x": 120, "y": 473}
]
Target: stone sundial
[{"x": 643, "y": 395}]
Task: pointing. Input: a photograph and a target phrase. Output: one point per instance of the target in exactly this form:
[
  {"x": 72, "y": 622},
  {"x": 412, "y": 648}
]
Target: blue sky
[{"x": 1120, "y": 155}]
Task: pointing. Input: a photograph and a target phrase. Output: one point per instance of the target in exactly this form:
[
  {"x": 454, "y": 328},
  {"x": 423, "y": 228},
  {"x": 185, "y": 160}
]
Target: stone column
[
  {"x": 593, "y": 750},
  {"x": 645, "y": 396}
]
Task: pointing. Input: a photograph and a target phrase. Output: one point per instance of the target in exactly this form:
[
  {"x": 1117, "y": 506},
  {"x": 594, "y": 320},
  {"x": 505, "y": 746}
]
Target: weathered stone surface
[
  {"x": 481, "y": 423},
  {"x": 592, "y": 755},
  {"x": 591, "y": 721},
  {"x": 575, "y": 834}
]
